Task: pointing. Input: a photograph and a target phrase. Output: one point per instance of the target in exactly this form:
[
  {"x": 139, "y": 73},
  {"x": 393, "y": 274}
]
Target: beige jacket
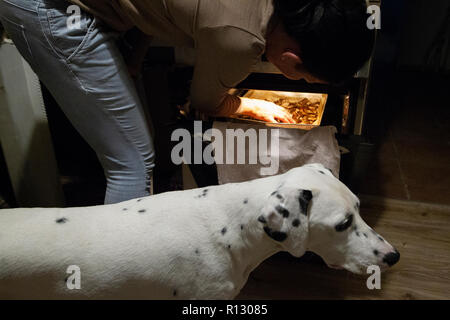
[{"x": 228, "y": 36}]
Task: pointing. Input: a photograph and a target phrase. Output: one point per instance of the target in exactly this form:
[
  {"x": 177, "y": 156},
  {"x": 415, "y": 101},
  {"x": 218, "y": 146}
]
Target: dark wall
[{"x": 425, "y": 36}]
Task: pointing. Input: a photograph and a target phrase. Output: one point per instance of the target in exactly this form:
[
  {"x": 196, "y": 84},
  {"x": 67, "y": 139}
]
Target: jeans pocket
[
  {"x": 68, "y": 31},
  {"x": 18, "y": 35}
]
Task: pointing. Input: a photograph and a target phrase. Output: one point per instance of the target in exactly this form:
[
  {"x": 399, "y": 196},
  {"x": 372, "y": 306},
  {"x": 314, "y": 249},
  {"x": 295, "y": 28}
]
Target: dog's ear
[{"x": 284, "y": 218}]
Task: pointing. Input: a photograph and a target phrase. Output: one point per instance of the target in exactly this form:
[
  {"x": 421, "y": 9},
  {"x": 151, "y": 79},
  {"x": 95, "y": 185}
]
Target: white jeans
[{"x": 86, "y": 74}]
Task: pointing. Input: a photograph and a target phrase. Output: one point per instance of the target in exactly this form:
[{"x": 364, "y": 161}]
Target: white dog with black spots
[{"x": 194, "y": 244}]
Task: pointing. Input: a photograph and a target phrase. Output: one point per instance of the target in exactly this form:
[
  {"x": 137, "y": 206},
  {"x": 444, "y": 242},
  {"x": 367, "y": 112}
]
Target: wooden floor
[{"x": 421, "y": 233}]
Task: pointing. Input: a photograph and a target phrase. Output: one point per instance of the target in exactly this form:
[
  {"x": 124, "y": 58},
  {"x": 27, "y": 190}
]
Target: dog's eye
[{"x": 344, "y": 225}]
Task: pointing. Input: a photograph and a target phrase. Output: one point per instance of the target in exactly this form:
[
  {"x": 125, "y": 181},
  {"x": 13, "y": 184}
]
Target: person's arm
[
  {"x": 264, "y": 110},
  {"x": 225, "y": 57},
  {"x": 255, "y": 108}
]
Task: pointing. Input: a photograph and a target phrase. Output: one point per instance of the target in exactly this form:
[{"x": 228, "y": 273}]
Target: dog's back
[{"x": 138, "y": 244}]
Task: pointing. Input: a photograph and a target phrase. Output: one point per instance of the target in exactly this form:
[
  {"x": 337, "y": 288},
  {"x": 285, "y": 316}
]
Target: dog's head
[{"x": 312, "y": 210}]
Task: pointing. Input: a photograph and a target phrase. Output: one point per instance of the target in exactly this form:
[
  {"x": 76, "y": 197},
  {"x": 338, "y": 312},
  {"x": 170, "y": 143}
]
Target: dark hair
[{"x": 334, "y": 39}]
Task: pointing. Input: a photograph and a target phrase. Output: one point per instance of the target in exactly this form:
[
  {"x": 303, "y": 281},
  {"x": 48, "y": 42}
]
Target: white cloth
[{"x": 296, "y": 148}]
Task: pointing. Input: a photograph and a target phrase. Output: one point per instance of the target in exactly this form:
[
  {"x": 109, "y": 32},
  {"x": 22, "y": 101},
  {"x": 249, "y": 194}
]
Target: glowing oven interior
[{"x": 305, "y": 108}]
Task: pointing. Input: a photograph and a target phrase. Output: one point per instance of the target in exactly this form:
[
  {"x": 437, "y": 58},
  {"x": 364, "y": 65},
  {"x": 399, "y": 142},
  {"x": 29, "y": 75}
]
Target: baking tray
[{"x": 289, "y": 96}]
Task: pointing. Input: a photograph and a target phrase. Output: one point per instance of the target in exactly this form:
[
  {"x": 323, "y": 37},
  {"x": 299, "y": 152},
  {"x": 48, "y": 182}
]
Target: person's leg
[{"x": 87, "y": 76}]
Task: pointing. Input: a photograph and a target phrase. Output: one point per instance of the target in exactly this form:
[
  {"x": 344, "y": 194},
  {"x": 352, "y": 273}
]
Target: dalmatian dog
[{"x": 194, "y": 244}]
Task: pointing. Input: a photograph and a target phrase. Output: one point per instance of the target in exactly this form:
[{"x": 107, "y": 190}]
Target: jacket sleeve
[{"x": 224, "y": 58}]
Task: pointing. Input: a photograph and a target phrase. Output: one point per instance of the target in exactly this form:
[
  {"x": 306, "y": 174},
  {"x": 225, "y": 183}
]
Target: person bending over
[{"x": 316, "y": 40}]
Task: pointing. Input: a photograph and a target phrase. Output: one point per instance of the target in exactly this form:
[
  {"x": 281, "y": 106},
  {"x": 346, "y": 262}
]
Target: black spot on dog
[
  {"x": 124, "y": 209},
  {"x": 275, "y": 235},
  {"x": 242, "y": 227},
  {"x": 296, "y": 223},
  {"x": 262, "y": 219},
  {"x": 245, "y": 201},
  {"x": 307, "y": 195},
  {"x": 142, "y": 211},
  {"x": 275, "y": 193},
  {"x": 203, "y": 195},
  {"x": 223, "y": 231},
  {"x": 283, "y": 211},
  {"x": 375, "y": 252},
  {"x": 380, "y": 238},
  {"x": 365, "y": 235},
  {"x": 357, "y": 233},
  {"x": 139, "y": 200},
  {"x": 62, "y": 220},
  {"x": 304, "y": 199},
  {"x": 322, "y": 172},
  {"x": 229, "y": 246},
  {"x": 197, "y": 251}
]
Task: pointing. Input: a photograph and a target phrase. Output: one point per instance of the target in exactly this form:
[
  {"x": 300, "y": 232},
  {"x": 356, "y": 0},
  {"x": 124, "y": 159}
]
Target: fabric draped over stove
[{"x": 295, "y": 148}]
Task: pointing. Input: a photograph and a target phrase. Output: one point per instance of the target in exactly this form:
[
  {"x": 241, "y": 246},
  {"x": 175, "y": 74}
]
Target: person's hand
[{"x": 264, "y": 110}]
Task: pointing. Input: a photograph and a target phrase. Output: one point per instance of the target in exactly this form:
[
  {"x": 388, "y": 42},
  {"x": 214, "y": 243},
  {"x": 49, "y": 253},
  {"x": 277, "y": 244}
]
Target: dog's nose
[{"x": 391, "y": 258}]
